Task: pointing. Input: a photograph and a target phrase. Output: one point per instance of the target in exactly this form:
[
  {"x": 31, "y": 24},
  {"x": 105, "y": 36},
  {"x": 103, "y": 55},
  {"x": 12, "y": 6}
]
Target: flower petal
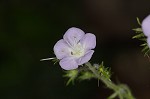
[
  {"x": 148, "y": 41},
  {"x": 146, "y": 26},
  {"x": 88, "y": 41},
  {"x": 61, "y": 49},
  {"x": 68, "y": 63},
  {"x": 85, "y": 58},
  {"x": 73, "y": 35}
]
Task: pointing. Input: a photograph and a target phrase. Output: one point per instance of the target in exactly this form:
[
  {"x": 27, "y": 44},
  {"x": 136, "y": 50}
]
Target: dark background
[{"x": 30, "y": 28}]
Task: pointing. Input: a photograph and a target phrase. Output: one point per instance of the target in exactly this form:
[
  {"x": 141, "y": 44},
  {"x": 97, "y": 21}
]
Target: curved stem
[{"x": 122, "y": 91}]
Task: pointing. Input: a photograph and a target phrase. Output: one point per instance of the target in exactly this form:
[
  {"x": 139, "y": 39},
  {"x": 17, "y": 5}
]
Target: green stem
[{"x": 121, "y": 90}]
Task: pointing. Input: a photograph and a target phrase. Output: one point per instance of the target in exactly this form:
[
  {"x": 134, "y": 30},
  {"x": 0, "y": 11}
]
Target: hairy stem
[{"x": 121, "y": 90}]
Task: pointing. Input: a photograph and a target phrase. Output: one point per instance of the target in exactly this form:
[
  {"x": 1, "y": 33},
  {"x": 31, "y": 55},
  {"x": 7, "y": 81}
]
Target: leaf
[
  {"x": 138, "y": 36},
  {"x": 114, "y": 95},
  {"x": 71, "y": 74},
  {"x": 86, "y": 75},
  {"x": 145, "y": 48},
  {"x": 143, "y": 44},
  {"x": 138, "y": 21},
  {"x": 137, "y": 30},
  {"x": 104, "y": 71}
]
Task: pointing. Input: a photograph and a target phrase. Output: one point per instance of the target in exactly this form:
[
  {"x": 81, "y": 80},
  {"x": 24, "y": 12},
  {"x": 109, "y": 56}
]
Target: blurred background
[{"x": 30, "y": 28}]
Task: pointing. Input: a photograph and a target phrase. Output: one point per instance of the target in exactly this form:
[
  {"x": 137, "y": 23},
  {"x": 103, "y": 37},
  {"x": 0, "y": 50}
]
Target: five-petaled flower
[
  {"x": 146, "y": 28},
  {"x": 75, "y": 48}
]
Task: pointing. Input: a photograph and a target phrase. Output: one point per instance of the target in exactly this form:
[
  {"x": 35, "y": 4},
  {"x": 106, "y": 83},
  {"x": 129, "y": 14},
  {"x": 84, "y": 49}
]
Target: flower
[
  {"x": 75, "y": 48},
  {"x": 146, "y": 28}
]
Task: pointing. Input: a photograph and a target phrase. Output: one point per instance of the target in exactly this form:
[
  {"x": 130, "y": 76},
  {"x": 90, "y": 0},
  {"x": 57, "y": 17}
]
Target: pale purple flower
[
  {"x": 75, "y": 48},
  {"x": 146, "y": 26},
  {"x": 148, "y": 41}
]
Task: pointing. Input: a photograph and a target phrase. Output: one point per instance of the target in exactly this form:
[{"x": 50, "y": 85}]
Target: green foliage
[
  {"x": 99, "y": 72},
  {"x": 71, "y": 74},
  {"x": 87, "y": 75},
  {"x": 138, "y": 21},
  {"x": 84, "y": 73},
  {"x": 102, "y": 73},
  {"x": 123, "y": 92},
  {"x": 140, "y": 36}
]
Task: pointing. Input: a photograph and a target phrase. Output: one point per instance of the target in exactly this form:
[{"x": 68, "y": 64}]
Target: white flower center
[{"x": 77, "y": 50}]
